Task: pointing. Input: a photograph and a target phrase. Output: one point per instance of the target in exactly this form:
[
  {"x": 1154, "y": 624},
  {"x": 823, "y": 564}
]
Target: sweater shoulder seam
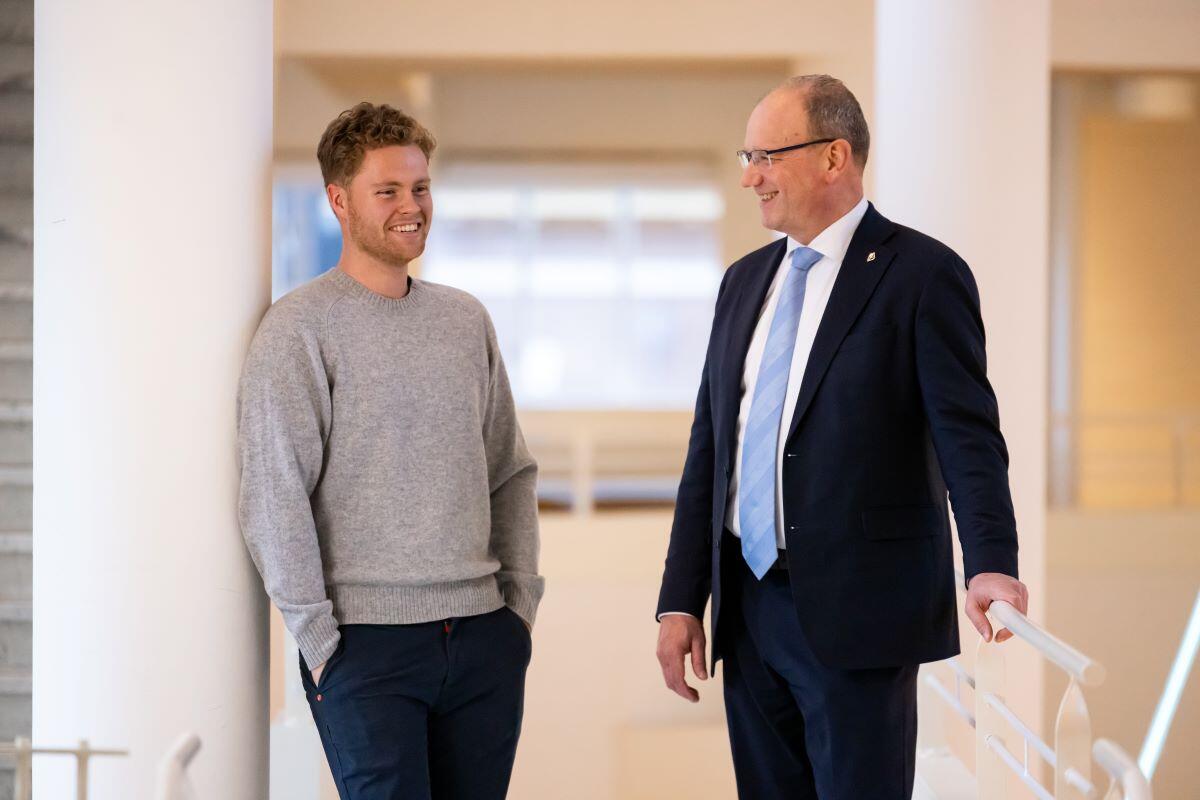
[{"x": 323, "y": 332}]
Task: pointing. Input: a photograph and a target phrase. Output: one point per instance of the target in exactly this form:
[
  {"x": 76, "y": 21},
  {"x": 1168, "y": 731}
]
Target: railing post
[
  {"x": 1072, "y": 746},
  {"x": 931, "y": 727},
  {"x": 82, "y": 756},
  {"x": 23, "y": 787},
  {"x": 991, "y": 774},
  {"x": 1128, "y": 781},
  {"x": 583, "y": 478}
]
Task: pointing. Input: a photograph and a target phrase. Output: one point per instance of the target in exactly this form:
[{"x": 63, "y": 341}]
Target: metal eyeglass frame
[{"x": 757, "y": 157}]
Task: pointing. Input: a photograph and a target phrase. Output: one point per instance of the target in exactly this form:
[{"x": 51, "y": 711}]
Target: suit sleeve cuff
[{"x": 990, "y": 559}]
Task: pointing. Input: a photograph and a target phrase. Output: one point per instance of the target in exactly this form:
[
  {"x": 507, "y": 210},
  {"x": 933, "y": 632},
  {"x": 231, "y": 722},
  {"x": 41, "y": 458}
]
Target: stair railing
[
  {"x": 1073, "y": 752},
  {"x": 23, "y": 751}
]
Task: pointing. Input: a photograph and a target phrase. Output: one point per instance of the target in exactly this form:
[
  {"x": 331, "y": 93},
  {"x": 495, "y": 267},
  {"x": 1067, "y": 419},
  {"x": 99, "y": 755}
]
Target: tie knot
[{"x": 803, "y": 258}]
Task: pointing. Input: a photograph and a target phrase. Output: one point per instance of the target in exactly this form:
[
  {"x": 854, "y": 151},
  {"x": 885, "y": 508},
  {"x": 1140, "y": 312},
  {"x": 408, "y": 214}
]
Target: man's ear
[
  {"x": 337, "y": 200},
  {"x": 838, "y": 157}
]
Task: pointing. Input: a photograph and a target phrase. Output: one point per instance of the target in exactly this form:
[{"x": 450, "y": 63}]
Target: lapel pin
[{"x": 871, "y": 257}]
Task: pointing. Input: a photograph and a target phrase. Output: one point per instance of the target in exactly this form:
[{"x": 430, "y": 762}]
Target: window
[{"x": 600, "y": 278}]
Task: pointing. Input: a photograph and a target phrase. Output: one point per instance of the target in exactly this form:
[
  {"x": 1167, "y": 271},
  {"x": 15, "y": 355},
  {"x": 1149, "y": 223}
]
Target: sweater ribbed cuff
[
  {"x": 318, "y": 640},
  {"x": 522, "y": 593}
]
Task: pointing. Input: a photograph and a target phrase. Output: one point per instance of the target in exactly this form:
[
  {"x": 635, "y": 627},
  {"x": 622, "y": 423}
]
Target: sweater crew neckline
[{"x": 360, "y": 292}]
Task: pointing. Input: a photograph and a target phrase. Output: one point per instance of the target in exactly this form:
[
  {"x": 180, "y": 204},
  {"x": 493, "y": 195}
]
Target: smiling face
[
  {"x": 387, "y": 208},
  {"x": 793, "y": 190}
]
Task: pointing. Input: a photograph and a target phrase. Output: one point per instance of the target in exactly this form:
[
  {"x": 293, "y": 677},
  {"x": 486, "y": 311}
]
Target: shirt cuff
[{"x": 676, "y": 614}]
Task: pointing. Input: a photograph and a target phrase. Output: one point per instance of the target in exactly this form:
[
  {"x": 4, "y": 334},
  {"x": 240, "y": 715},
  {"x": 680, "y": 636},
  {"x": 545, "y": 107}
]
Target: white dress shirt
[{"x": 832, "y": 244}]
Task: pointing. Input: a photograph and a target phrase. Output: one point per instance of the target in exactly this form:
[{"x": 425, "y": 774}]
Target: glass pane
[{"x": 600, "y": 281}]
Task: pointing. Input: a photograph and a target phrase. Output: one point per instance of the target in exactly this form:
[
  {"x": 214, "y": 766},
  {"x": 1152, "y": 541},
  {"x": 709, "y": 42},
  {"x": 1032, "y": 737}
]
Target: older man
[{"x": 845, "y": 391}]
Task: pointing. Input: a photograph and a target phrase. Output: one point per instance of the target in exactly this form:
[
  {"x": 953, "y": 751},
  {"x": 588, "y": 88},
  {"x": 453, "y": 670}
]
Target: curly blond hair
[{"x": 366, "y": 127}]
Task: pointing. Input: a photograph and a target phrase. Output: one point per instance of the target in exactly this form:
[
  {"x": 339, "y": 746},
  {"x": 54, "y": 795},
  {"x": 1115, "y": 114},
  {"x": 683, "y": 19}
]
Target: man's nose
[
  {"x": 408, "y": 204},
  {"x": 751, "y": 177}
]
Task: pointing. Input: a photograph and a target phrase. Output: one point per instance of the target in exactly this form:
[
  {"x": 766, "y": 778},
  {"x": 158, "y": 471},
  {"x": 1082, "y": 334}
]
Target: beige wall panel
[
  {"x": 304, "y": 105},
  {"x": 647, "y": 116},
  {"x": 533, "y": 29},
  {"x": 594, "y": 682},
  {"x": 1123, "y": 585},
  {"x": 1138, "y": 306},
  {"x": 1139, "y": 266},
  {"x": 1119, "y": 34}
]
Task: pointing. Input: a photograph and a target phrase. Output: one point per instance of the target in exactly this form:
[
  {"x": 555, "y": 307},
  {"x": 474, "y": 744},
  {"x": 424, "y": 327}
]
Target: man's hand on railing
[
  {"x": 987, "y": 587},
  {"x": 681, "y": 635}
]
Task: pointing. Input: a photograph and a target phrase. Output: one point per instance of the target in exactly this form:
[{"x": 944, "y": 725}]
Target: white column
[
  {"x": 961, "y": 144},
  {"x": 152, "y": 220}
]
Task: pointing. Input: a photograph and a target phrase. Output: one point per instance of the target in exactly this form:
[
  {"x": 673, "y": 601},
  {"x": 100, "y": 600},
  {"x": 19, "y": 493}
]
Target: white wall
[{"x": 151, "y": 261}]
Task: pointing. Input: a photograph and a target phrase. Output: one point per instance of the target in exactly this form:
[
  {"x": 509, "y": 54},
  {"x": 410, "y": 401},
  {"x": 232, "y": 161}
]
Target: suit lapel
[
  {"x": 855, "y": 283},
  {"x": 749, "y": 303}
]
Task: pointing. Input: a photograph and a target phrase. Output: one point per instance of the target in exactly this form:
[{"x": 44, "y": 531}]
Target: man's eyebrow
[{"x": 385, "y": 184}]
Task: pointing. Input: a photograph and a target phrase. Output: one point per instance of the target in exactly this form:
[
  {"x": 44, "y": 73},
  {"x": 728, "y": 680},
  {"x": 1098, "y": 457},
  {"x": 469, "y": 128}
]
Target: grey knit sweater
[{"x": 384, "y": 478}]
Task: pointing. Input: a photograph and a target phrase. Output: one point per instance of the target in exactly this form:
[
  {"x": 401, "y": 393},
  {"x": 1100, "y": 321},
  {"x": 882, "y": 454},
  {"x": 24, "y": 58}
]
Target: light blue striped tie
[{"x": 760, "y": 440}]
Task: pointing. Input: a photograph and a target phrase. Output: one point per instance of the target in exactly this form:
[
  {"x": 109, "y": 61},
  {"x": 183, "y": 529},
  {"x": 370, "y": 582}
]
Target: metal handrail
[
  {"x": 1046, "y": 752},
  {"x": 952, "y": 701},
  {"x": 1073, "y": 662},
  {"x": 1021, "y": 770},
  {"x": 1123, "y": 770},
  {"x": 1071, "y": 757}
]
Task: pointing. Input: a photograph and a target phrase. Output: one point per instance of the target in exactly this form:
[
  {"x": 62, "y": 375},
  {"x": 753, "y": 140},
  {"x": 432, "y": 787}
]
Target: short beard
[{"x": 376, "y": 249}]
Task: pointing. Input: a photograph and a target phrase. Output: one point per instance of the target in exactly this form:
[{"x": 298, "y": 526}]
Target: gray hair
[{"x": 833, "y": 112}]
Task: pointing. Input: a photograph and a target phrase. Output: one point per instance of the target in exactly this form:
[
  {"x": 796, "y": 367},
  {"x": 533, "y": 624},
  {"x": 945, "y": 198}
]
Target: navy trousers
[
  {"x": 799, "y": 730},
  {"x": 423, "y": 712}
]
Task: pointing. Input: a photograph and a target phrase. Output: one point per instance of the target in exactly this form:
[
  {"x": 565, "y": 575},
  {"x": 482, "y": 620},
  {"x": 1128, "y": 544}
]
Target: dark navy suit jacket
[{"x": 894, "y": 409}]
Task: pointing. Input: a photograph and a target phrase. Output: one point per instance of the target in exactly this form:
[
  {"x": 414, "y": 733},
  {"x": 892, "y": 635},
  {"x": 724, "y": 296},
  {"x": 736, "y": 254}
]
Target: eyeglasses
[{"x": 760, "y": 158}]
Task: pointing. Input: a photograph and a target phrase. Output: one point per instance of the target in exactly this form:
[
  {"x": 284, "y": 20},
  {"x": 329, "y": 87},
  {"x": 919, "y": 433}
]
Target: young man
[
  {"x": 845, "y": 391},
  {"x": 387, "y": 496}
]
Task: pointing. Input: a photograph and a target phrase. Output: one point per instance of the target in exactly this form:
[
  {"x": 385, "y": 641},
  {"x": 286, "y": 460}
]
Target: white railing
[
  {"x": 626, "y": 455},
  {"x": 1073, "y": 753},
  {"x": 23, "y": 751},
  {"x": 172, "y": 783}
]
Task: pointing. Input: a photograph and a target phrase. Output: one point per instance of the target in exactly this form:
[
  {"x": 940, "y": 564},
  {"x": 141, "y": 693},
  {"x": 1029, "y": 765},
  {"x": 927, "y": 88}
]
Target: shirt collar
[{"x": 834, "y": 241}]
